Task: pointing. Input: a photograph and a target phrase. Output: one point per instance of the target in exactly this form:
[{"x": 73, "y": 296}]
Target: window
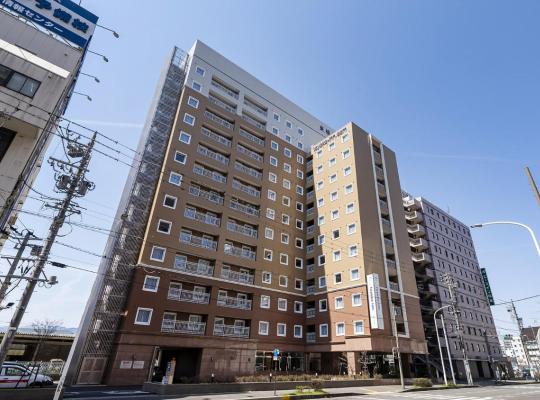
[
  {"x": 321, "y": 220},
  {"x": 287, "y": 152},
  {"x": 350, "y": 208},
  {"x": 333, "y": 196},
  {"x": 199, "y": 70},
  {"x": 175, "y": 178},
  {"x": 281, "y": 329},
  {"x": 338, "y": 278},
  {"x": 320, "y": 240},
  {"x": 286, "y": 184},
  {"x": 298, "y": 331},
  {"x": 286, "y": 201},
  {"x": 157, "y": 253},
  {"x": 355, "y": 274},
  {"x": 269, "y": 233},
  {"x": 298, "y": 307},
  {"x": 356, "y": 299},
  {"x": 320, "y": 202},
  {"x": 358, "y": 327},
  {"x": 299, "y": 243},
  {"x": 299, "y": 190},
  {"x": 274, "y": 145},
  {"x": 288, "y": 124},
  {"x": 272, "y": 177},
  {"x": 164, "y": 226},
  {"x": 285, "y": 238},
  {"x": 267, "y": 277},
  {"x": 143, "y": 316},
  {"x": 275, "y": 131},
  {"x": 189, "y": 119},
  {"x": 276, "y": 117},
  {"x": 193, "y": 102},
  {"x": 150, "y": 283},
  {"x": 265, "y": 301},
  {"x": 299, "y": 224},
  {"x": 298, "y": 284},
  {"x": 299, "y": 263},
  {"x": 322, "y": 281},
  {"x": 185, "y": 137},
  {"x": 299, "y": 174},
  {"x": 340, "y": 329},
  {"x": 18, "y": 82},
  {"x": 282, "y": 304},
  {"x": 320, "y": 185},
  {"x": 268, "y": 254},
  {"x": 300, "y": 131},
  {"x": 348, "y": 189},
  {"x": 332, "y": 162},
  {"x": 273, "y": 161},
  {"x": 319, "y": 168},
  {"x": 336, "y": 255},
  {"x": 180, "y": 157},
  {"x": 335, "y": 214},
  {"x": 196, "y": 86},
  {"x": 270, "y": 213},
  {"x": 351, "y": 228},
  {"x": 263, "y": 327},
  {"x": 331, "y": 145},
  {"x": 345, "y": 137},
  {"x": 333, "y": 178},
  {"x": 346, "y": 154},
  {"x": 321, "y": 260},
  {"x": 271, "y": 195},
  {"x": 285, "y": 219},
  {"x": 169, "y": 201},
  {"x": 353, "y": 250},
  {"x": 323, "y": 305},
  {"x": 323, "y": 330},
  {"x": 299, "y": 158},
  {"x": 283, "y": 281},
  {"x": 335, "y": 234},
  {"x": 287, "y": 168},
  {"x": 288, "y": 138}
]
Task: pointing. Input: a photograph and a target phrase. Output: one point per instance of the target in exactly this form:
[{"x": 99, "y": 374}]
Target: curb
[
  {"x": 421, "y": 389},
  {"x": 305, "y": 396}
]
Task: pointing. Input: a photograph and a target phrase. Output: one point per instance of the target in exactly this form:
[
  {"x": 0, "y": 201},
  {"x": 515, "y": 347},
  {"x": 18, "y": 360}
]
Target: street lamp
[
  {"x": 115, "y": 34},
  {"x": 531, "y": 232},
  {"x": 91, "y": 76},
  {"x": 98, "y": 54},
  {"x": 447, "y": 346},
  {"x": 83, "y": 95}
]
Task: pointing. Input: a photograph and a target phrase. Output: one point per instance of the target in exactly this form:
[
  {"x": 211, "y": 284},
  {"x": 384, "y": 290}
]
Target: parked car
[{"x": 16, "y": 375}]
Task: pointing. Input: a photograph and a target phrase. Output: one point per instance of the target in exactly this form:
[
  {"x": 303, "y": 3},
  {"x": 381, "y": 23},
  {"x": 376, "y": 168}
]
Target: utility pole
[
  {"x": 519, "y": 322},
  {"x": 533, "y": 184},
  {"x": 448, "y": 349},
  {"x": 449, "y": 281},
  {"x": 394, "y": 313},
  {"x": 74, "y": 185},
  {"x": 490, "y": 358},
  {"x": 13, "y": 266}
]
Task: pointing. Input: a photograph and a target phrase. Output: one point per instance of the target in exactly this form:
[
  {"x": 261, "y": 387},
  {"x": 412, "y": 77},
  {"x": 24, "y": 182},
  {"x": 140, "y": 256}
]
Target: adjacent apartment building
[
  {"x": 441, "y": 244},
  {"x": 253, "y": 227},
  {"x": 41, "y": 52}
]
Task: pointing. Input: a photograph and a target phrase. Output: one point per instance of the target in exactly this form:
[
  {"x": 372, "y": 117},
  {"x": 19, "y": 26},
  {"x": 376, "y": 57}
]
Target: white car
[{"x": 16, "y": 375}]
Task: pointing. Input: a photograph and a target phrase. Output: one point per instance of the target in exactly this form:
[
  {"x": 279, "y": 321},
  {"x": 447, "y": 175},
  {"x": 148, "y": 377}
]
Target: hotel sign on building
[{"x": 375, "y": 305}]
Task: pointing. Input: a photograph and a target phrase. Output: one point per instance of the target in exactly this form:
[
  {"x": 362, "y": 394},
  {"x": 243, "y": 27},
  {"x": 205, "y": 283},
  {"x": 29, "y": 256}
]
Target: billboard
[
  {"x": 62, "y": 17},
  {"x": 374, "y": 299},
  {"x": 487, "y": 287}
]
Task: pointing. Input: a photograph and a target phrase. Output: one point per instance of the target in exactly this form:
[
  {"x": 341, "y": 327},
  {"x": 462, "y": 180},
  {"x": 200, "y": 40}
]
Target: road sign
[
  {"x": 275, "y": 354},
  {"x": 487, "y": 287}
]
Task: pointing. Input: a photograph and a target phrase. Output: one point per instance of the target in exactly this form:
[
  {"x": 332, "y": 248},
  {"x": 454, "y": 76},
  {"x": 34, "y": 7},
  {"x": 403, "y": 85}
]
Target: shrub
[
  {"x": 316, "y": 385},
  {"x": 422, "y": 382},
  {"x": 301, "y": 388}
]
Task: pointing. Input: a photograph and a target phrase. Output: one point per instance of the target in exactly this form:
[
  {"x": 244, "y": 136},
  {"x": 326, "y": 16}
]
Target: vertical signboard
[
  {"x": 374, "y": 299},
  {"x": 487, "y": 287}
]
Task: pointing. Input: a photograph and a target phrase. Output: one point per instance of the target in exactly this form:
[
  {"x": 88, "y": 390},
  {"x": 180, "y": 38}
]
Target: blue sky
[{"x": 452, "y": 87}]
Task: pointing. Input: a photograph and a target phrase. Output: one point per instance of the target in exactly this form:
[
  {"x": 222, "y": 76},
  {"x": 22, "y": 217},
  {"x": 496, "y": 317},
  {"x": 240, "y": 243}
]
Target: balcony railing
[
  {"x": 239, "y": 252},
  {"x": 240, "y": 277},
  {"x": 416, "y": 230},
  {"x": 253, "y": 122},
  {"x": 310, "y": 229},
  {"x": 216, "y": 137},
  {"x": 244, "y": 208},
  {"x": 194, "y": 268},
  {"x": 221, "y": 104},
  {"x": 391, "y": 264},
  {"x": 220, "y": 158},
  {"x": 231, "y": 330},
  {"x": 189, "y": 296},
  {"x": 310, "y": 268},
  {"x": 243, "y": 230},
  {"x": 377, "y": 157},
  {"x": 218, "y": 120},
  {"x": 310, "y": 248},
  {"x": 309, "y": 180},
  {"x": 381, "y": 189},
  {"x": 224, "y": 89},
  {"x": 387, "y": 226},
  {"x": 215, "y": 176},
  {"x": 210, "y": 196},
  {"x": 201, "y": 217},
  {"x": 394, "y": 286},
  {"x": 411, "y": 203},
  {"x": 185, "y": 327},
  {"x": 249, "y": 153},
  {"x": 379, "y": 173},
  {"x": 251, "y": 137},
  {"x": 310, "y": 194},
  {"x": 310, "y": 313},
  {"x": 198, "y": 241},
  {"x": 384, "y": 207},
  {"x": 310, "y": 211},
  {"x": 246, "y": 189},
  {"x": 309, "y": 165},
  {"x": 310, "y": 289},
  {"x": 422, "y": 258},
  {"x": 414, "y": 216},
  {"x": 255, "y": 108},
  {"x": 310, "y": 337},
  {"x": 234, "y": 302},
  {"x": 247, "y": 170}
]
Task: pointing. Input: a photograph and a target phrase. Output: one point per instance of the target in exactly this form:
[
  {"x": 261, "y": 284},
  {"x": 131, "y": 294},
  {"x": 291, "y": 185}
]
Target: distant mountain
[{"x": 29, "y": 329}]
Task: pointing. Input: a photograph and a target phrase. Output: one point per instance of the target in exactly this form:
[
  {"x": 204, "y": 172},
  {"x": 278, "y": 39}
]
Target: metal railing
[
  {"x": 310, "y": 229},
  {"x": 310, "y": 289},
  {"x": 251, "y": 137},
  {"x": 231, "y": 330},
  {"x": 202, "y": 217},
  {"x": 216, "y": 137},
  {"x": 253, "y": 122},
  {"x": 244, "y": 230},
  {"x": 218, "y": 120},
  {"x": 189, "y": 296},
  {"x": 247, "y": 170},
  {"x": 250, "y": 153},
  {"x": 215, "y": 176},
  {"x": 224, "y": 89},
  {"x": 310, "y": 313},
  {"x": 310, "y": 337},
  {"x": 239, "y": 252},
  {"x": 220, "y": 158},
  {"x": 246, "y": 189},
  {"x": 210, "y": 196},
  {"x": 244, "y": 208},
  {"x": 310, "y": 268},
  {"x": 187, "y": 327},
  {"x": 222, "y": 104},
  {"x": 310, "y": 248},
  {"x": 381, "y": 189},
  {"x": 234, "y": 302},
  {"x": 394, "y": 286},
  {"x": 235, "y": 276},
  {"x": 194, "y": 268},
  {"x": 198, "y": 241},
  {"x": 255, "y": 107}
]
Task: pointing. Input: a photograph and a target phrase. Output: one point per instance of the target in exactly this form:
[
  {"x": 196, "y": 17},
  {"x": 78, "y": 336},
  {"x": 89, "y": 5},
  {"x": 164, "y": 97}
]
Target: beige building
[{"x": 259, "y": 230}]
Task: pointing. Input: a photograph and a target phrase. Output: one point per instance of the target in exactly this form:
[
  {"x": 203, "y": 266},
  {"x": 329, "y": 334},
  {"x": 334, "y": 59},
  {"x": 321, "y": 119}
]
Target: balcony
[
  {"x": 250, "y": 153},
  {"x": 430, "y": 274},
  {"x": 414, "y": 217},
  {"x": 392, "y": 268},
  {"x": 379, "y": 173},
  {"x": 231, "y": 331},
  {"x": 384, "y": 207},
  {"x": 239, "y": 252},
  {"x": 388, "y": 246},
  {"x": 210, "y": 196},
  {"x": 218, "y": 120},
  {"x": 310, "y": 248},
  {"x": 234, "y": 276},
  {"x": 197, "y": 241},
  {"x": 220, "y": 158},
  {"x": 213, "y": 175},
  {"x": 309, "y": 180},
  {"x": 251, "y": 137},
  {"x": 247, "y": 170},
  {"x": 310, "y": 194},
  {"x": 411, "y": 203},
  {"x": 201, "y": 217},
  {"x": 377, "y": 158},
  {"x": 381, "y": 189},
  {"x": 189, "y": 296},
  {"x": 386, "y": 226},
  {"x": 224, "y": 89},
  {"x": 246, "y": 189},
  {"x": 256, "y": 108},
  {"x": 416, "y": 230},
  {"x": 241, "y": 229},
  {"x": 310, "y": 290},
  {"x": 216, "y": 137},
  {"x": 234, "y": 302},
  {"x": 310, "y": 337},
  {"x": 418, "y": 244},
  {"x": 249, "y": 210},
  {"x": 421, "y": 258},
  {"x": 310, "y": 313},
  {"x": 310, "y": 230},
  {"x": 254, "y": 122},
  {"x": 309, "y": 165},
  {"x": 393, "y": 286},
  {"x": 183, "y": 327},
  {"x": 221, "y": 104},
  {"x": 194, "y": 268},
  {"x": 310, "y": 211}
]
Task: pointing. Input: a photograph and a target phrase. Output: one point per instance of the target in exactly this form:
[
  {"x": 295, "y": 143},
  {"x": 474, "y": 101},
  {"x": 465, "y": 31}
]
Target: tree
[{"x": 43, "y": 329}]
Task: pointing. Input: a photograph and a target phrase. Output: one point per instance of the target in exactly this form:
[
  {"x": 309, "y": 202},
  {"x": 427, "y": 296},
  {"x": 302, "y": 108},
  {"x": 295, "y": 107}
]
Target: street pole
[
  {"x": 440, "y": 350},
  {"x": 448, "y": 349},
  {"x": 533, "y": 185},
  {"x": 519, "y": 322},
  {"x": 397, "y": 348},
  {"x": 528, "y": 228},
  {"x": 74, "y": 185},
  {"x": 13, "y": 266}
]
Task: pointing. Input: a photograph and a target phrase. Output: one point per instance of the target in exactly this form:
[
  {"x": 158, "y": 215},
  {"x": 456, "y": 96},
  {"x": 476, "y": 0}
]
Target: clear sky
[{"x": 452, "y": 87}]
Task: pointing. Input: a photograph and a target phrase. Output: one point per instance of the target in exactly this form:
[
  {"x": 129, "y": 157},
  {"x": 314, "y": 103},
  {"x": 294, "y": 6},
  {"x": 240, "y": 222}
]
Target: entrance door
[{"x": 92, "y": 369}]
